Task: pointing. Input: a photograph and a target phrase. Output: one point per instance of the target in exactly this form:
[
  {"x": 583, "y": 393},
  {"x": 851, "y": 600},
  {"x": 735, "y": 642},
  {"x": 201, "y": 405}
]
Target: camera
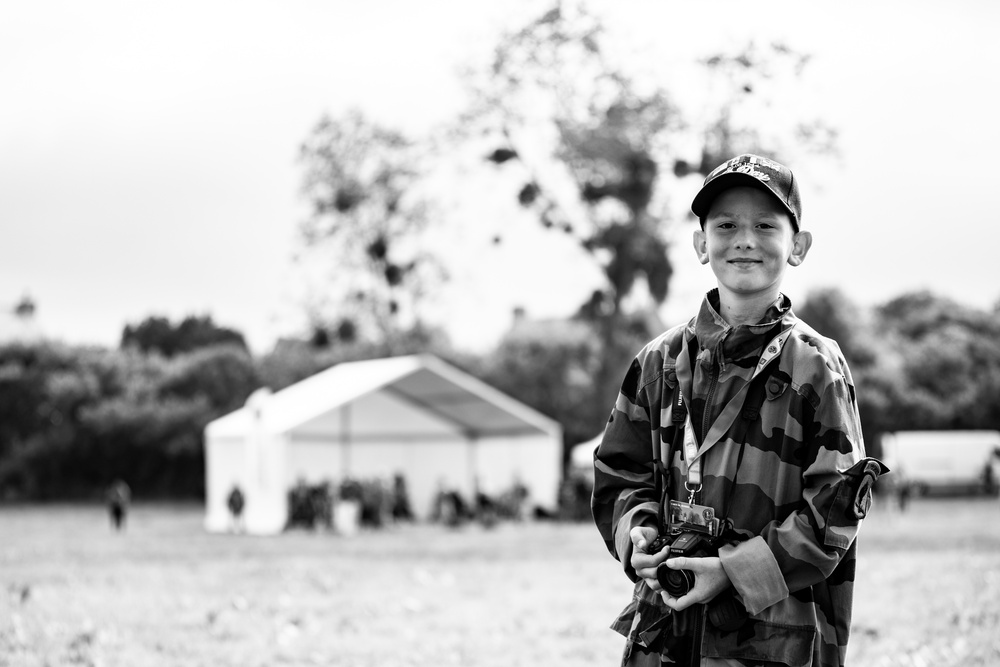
[
  {"x": 690, "y": 544},
  {"x": 693, "y": 531}
]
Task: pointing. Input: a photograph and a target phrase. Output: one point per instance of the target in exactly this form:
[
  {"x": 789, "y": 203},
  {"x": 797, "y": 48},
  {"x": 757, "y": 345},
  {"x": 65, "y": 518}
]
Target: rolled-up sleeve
[{"x": 755, "y": 574}]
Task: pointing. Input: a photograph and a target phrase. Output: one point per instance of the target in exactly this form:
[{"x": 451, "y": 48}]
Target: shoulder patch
[{"x": 867, "y": 473}]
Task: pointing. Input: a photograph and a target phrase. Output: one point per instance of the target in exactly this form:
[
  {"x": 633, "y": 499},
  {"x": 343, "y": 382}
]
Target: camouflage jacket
[{"x": 796, "y": 494}]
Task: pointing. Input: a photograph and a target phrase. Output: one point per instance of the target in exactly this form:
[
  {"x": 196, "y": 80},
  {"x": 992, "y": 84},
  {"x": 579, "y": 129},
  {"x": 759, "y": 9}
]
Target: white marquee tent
[
  {"x": 415, "y": 415},
  {"x": 581, "y": 457}
]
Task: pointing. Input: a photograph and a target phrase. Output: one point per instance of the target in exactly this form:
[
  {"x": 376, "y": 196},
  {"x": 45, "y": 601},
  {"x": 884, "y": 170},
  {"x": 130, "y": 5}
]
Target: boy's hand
[
  {"x": 710, "y": 579},
  {"x": 644, "y": 563}
]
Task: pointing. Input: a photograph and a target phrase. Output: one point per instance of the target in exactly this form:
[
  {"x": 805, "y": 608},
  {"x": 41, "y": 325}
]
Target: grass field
[{"x": 167, "y": 593}]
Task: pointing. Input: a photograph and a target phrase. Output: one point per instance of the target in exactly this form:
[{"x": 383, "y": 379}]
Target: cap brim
[{"x": 703, "y": 200}]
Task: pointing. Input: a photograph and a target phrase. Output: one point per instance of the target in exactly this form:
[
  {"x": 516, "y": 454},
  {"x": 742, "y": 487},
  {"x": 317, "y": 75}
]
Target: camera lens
[{"x": 674, "y": 582}]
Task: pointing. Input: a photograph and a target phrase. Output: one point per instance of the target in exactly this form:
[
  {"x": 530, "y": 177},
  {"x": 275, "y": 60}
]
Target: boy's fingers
[
  {"x": 640, "y": 536},
  {"x": 677, "y": 604},
  {"x": 652, "y": 582},
  {"x": 693, "y": 564},
  {"x": 681, "y": 603},
  {"x": 679, "y": 563}
]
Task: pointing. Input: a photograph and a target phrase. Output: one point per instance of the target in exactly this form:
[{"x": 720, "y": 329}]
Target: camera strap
[
  {"x": 693, "y": 453},
  {"x": 662, "y": 463}
]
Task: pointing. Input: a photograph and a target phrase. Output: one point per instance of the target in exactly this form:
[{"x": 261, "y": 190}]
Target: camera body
[{"x": 692, "y": 531}]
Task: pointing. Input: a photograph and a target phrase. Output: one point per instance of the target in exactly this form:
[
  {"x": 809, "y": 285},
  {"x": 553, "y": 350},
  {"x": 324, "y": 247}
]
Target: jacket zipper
[
  {"x": 699, "y": 635},
  {"x": 706, "y": 416}
]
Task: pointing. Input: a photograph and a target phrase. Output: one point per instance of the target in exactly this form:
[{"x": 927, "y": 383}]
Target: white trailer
[{"x": 944, "y": 460}]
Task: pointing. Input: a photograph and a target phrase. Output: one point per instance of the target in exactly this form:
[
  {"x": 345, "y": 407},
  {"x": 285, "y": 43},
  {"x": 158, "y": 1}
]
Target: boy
[{"x": 737, "y": 433}]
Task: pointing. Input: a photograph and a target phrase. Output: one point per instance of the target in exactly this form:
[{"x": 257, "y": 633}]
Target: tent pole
[
  {"x": 345, "y": 439},
  {"x": 473, "y": 468}
]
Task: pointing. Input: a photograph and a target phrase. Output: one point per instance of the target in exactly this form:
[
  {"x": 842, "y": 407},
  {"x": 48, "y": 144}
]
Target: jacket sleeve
[
  {"x": 805, "y": 547},
  {"x": 624, "y": 483}
]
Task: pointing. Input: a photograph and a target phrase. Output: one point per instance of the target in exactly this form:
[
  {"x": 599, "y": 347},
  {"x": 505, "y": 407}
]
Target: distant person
[
  {"x": 904, "y": 493},
  {"x": 235, "y": 501},
  {"x": 903, "y": 489},
  {"x": 449, "y": 508},
  {"x": 118, "y": 497},
  {"x": 486, "y": 510},
  {"x": 737, "y": 433},
  {"x": 401, "y": 510}
]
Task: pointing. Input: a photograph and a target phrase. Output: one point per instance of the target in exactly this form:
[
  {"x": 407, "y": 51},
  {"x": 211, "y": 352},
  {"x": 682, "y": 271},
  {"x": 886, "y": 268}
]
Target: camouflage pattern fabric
[{"x": 796, "y": 499}]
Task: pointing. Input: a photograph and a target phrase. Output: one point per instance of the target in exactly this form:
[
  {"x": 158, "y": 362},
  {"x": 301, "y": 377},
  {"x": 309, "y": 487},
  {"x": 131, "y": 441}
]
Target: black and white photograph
[{"x": 546, "y": 332}]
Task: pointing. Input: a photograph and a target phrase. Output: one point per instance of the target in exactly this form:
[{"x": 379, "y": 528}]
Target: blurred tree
[
  {"x": 551, "y": 369},
  {"x": 613, "y": 138},
  {"x": 362, "y": 183},
  {"x": 158, "y": 334},
  {"x": 224, "y": 376},
  {"x": 74, "y": 418},
  {"x": 551, "y": 365},
  {"x": 950, "y": 361},
  {"x": 25, "y": 308},
  {"x": 41, "y": 392},
  {"x": 550, "y": 83},
  {"x": 919, "y": 361},
  {"x": 917, "y": 314},
  {"x": 745, "y": 110},
  {"x": 292, "y": 360},
  {"x": 157, "y": 445}
]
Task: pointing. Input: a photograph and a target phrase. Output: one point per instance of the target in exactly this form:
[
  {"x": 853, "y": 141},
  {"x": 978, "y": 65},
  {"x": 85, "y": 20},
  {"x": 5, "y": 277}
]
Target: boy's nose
[{"x": 744, "y": 239}]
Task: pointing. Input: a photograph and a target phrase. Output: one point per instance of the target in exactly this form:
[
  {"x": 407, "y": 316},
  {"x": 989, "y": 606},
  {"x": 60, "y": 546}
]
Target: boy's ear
[
  {"x": 801, "y": 243},
  {"x": 701, "y": 245}
]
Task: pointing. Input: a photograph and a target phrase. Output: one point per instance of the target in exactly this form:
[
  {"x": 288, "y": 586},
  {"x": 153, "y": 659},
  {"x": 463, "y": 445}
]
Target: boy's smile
[{"x": 748, "y": 240}]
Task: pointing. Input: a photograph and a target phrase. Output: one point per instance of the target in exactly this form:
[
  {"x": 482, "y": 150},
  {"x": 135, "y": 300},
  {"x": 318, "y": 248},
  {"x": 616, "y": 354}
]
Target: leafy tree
[
  {"x": 552, "y": 370},
  {"x": 224, "y": 376},
  {"x": 293, "y": 360},
  {"x": 74, "y": 418},
  {"x": 950, "y": 359},
  {"x": 23, "y": 371},
  {"x": 158, "y": 334},
  {"x": 551, "y": 83},
  {"x": 551, "y": 366},
  {"x": 362, "y": 182},
  {"x": 42, "y": 389},
  {"x": 613, "y": 140},
  {"x": 741, "y": 113},
  {"x": 918, "y": 314},
  {"x": 147, "y": 426},
  {"x": 920, "y": 361}
]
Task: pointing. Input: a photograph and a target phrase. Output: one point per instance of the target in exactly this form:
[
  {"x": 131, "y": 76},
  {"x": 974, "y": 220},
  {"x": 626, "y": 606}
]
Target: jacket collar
[{"x": 717, "y": 340}]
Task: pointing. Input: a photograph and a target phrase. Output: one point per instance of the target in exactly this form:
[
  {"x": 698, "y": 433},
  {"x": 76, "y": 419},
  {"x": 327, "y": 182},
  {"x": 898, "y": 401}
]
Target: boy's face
[{"x": 748, "y": 240}]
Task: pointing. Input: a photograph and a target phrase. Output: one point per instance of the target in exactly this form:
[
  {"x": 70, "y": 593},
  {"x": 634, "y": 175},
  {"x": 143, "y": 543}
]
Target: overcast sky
[{"x": 147, "y": 151}]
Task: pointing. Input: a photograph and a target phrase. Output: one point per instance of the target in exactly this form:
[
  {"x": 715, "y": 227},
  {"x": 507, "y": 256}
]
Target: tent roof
[{"x": 424, "y": 381}]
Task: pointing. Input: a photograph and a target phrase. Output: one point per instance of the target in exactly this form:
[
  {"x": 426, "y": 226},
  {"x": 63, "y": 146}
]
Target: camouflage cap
[{"x": 753, "y": 171}]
